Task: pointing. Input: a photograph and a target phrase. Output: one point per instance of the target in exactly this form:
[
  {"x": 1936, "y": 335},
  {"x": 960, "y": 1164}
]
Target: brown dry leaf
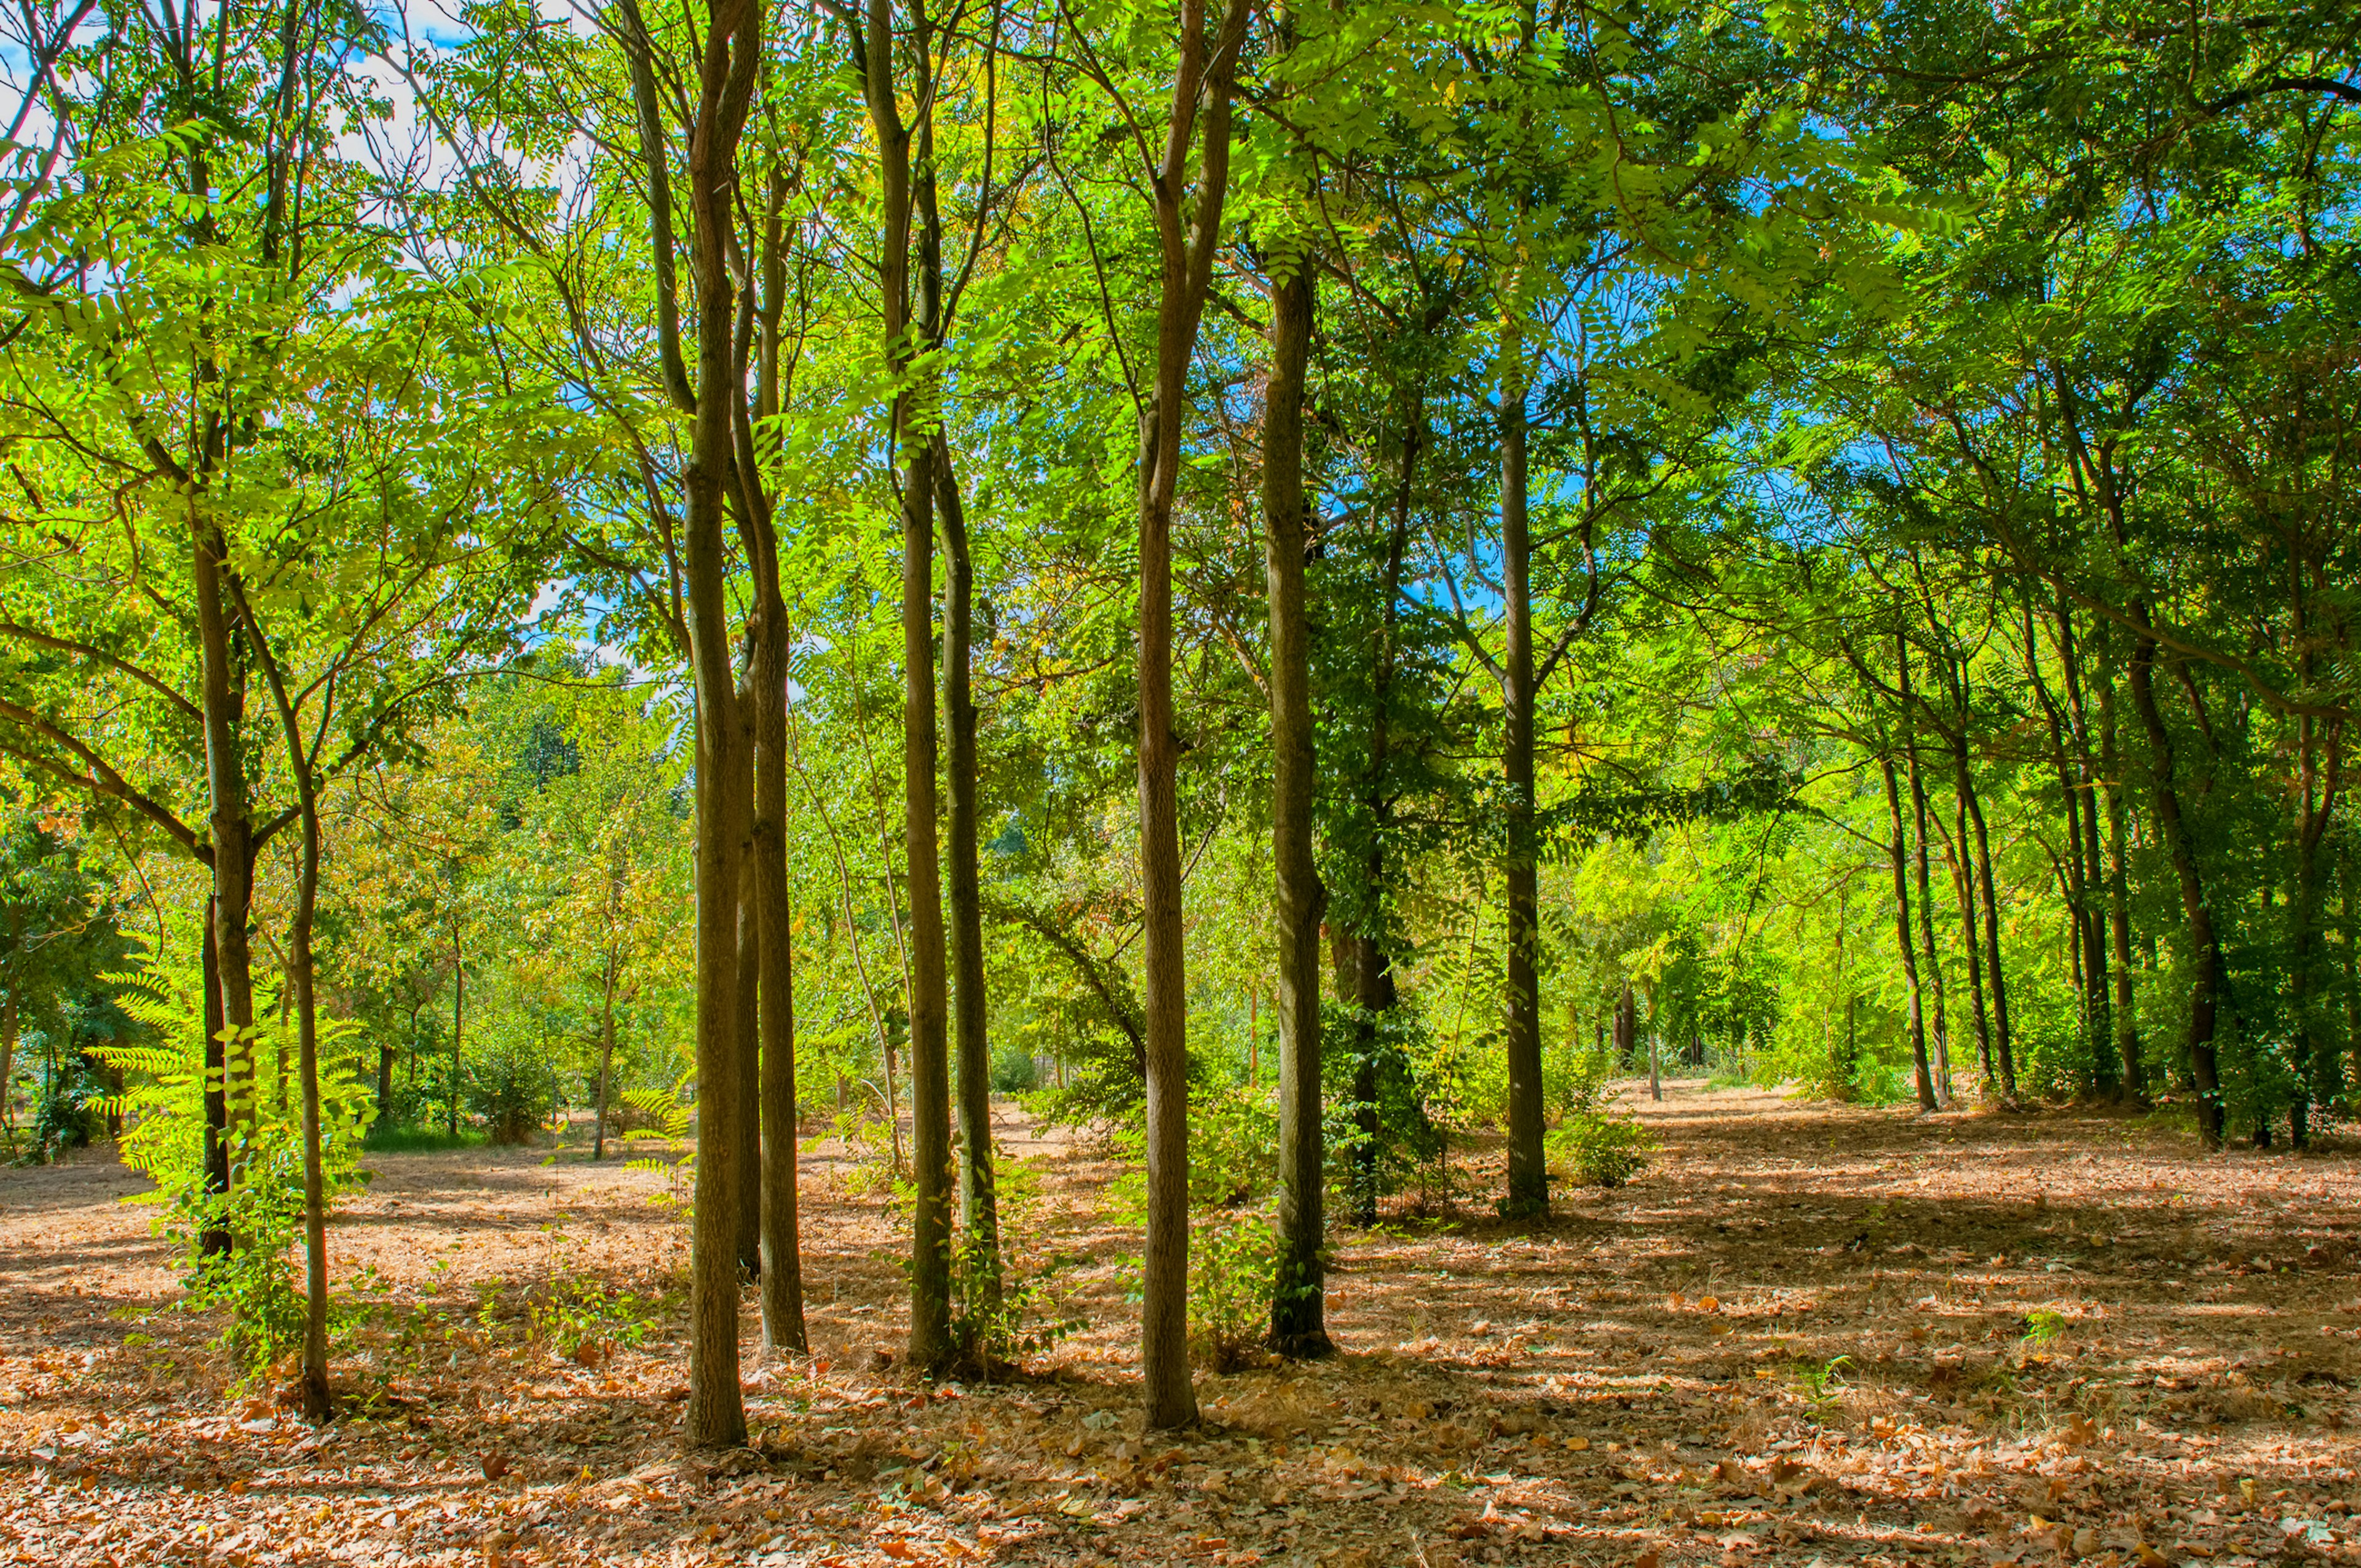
[
  {"x": 1647, "y": 1558},
  {"x": 494, "y": 1465}
]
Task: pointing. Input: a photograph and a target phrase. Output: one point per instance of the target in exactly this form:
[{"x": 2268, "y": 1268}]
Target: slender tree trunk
[
  {"x": 746, "y": 1127},
  {"x": 2131, "y": 1073},
  {"x": 782, "y": 1246},
  {"x": 2352, "y": 911},
  {"x": 1975, "y": 818},
  {"x": 222, "y": 701},
  {"x": 716, "y": 1416},
  {"x": 1528, "y": 1193},
  {"x": 1299, "y": 1308},
  {"x": 1933, "y": 971},
  {"x": 215, "y": 1239},
  {"x": 459, "y": 1024},
  {"x": 606, "y": 1059},
  {"x": 1372, "y": 988},
  {"x": 1963, "y": 881},
  {"x": 2320, "y": 769},
  {"x": 10, "y": 1021},
  {"x": 1905, "y": 944},
  {"x": 1254, "y": 1041},
  {"x": 2107, "y": 1072},
  {"x": 2077, "y": 879},
  {"x": 318, "y": 1405},
  {"x": 930, "y": 1347},
  {"x": 979, "y": 1201},
  {"x": 1373, "y": 1001},
  {"x": 1202, "y": 83},
  {"x": 2205, "y": 947}
]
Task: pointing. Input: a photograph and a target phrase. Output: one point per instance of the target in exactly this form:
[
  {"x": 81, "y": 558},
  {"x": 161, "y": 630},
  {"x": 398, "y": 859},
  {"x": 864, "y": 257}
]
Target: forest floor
[{"x": 1806, "y": 1334}]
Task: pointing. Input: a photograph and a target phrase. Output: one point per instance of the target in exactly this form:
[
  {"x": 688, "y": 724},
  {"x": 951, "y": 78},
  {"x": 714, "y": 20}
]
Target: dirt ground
[{"x": 1806, "y": 1334}]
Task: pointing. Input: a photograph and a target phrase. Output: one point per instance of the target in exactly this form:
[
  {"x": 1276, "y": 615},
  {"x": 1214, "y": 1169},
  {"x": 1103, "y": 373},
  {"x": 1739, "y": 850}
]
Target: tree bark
[
  {"x": 606, "y": 1060},
  {"x": 784, "y": 1330},
  {"x": 1299, "y": 1324},
  {"x": 222, "y": 700},
  {"x": 1202, "y": 86},
  {"x": 746, "y": 1158},
  {"x": 979, "y": 1201},
  {"x": 458, "y": 1021},
  {"x": 1905, "y": 944},
  {"x": 215, "y": 1239},
  {"x": 2205, "y": 946},
  {"x": 2096, "y": 1070},
  {"x": 716, "y": 1416},
  {"x": 2319, "y": 768},
  {"x": 2131, "y": 1073},
  {"x": 930, "y": 1348},
  {"x": 1933, "y": 971},
  {"x": 312, "y": 1381},
  {"x": 1528, "y": 1193},
  {"x": 1984, "y": 885}
]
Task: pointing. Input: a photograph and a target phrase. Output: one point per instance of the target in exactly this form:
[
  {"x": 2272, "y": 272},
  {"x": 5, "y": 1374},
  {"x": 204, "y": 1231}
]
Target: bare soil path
[{"x": 1806, "y": 1333}]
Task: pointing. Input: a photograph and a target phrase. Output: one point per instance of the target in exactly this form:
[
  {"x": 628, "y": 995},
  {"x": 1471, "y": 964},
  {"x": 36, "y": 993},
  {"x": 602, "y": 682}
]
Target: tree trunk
[
  {"x": 1299, "y": 1307},
  {"x": 1655, "y": 1073},
  {"x": 1202, "y": 83},
  {"x": 1963, "y": 881},
  {"x": 2096, "y": 1073},
  {"x": 1373, "y": 990},
  {"x": 318, "y": 1405},
  {"x": 930, "y": 1348},
  {"x": 1984, "y": 885},
  {"x": 746, "y": 1130},
  {"x": 782, "y": 1246},
  {"x": 458, "y": 1022},
  {"x": 216, "y": 1238},
  {"x": 2131, "y": 1073},
  {"x": 979, "y": 1201},
  {"x": 716, "y": 1416},
  {"x": 231, "y": 829},
  {"x": 2352, "y": 911},
  {"x": 2319, "y": 778},
  {"x": 1528, "y": 1193},
  {"x": 1933, "y": 971},
  {"x": 9, "y": 1024},
  {"x": 1907, "y": 944},
  {"x": 2205, "y": 947},
  {"x": 2107, "y": 1075},
  {"x": 606, "y": 1059}
]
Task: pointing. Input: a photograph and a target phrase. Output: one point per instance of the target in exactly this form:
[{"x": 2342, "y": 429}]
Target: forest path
[{"x": 2066, "y": 1331}]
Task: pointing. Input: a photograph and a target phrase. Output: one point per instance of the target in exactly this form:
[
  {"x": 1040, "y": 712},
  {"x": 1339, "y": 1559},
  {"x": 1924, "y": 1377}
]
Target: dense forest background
[{"x": 1304, "y": 585}]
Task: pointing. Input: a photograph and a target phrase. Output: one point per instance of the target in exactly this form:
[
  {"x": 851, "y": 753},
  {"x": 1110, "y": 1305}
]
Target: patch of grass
[{"x": 417, "y": 1140}]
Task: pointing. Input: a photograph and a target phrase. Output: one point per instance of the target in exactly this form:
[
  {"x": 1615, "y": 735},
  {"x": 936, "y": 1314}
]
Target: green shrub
[
  {"x": 1233, "y": 1271},
  {"x": 1605, "y": 1146},
  {"x": 162, "y": 1107},
  {"x": 1015, "y": 1072},
  {"x": 511, "y": 1090},
  {"x": 585, "y": 1320}
]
